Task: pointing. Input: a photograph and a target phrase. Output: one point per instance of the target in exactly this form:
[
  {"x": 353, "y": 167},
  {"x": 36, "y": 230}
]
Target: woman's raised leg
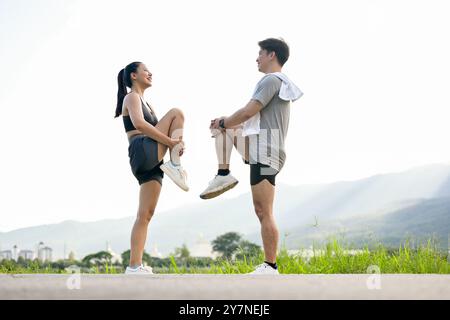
[{"x": 171, "y": 124}]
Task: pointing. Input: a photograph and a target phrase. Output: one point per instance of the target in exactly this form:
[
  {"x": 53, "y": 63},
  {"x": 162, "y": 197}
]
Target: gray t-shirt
[{"x": 267, "y": 147}]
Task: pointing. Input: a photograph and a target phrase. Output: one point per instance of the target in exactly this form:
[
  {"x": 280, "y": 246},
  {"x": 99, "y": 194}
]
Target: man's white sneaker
[
  {"x": 264, "y": 268},
  {"x": 139, "y": 270},
  {"x": 219, "y": 185},
  {"x": 176, "y": 173}
]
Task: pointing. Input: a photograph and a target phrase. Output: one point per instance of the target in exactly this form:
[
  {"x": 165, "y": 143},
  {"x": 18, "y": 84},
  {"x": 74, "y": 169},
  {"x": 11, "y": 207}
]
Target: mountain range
[{"x": 387, "y": 207}]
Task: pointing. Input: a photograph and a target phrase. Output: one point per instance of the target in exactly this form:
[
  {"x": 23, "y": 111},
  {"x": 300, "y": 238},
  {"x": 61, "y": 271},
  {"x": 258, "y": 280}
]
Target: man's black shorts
[{"x": 259, "y": 172}]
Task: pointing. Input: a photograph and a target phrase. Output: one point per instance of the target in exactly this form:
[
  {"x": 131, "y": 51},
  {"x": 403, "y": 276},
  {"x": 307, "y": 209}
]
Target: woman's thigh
[
  {"x": 163, "y": 126},
  {"x": 148, "y": 198}
]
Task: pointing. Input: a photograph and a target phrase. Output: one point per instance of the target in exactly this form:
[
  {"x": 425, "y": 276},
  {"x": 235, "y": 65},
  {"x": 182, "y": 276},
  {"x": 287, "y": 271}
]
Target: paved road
[{"x": 337, "y": 286}]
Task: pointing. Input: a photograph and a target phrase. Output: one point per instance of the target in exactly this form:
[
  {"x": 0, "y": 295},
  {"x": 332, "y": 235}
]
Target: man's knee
[{"x": 262, "y": 211}]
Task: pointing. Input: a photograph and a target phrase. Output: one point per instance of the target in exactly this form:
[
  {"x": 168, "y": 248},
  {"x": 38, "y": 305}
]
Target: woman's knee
[
  {"x": 144, "y": 216},
  {"x": 177, "y": 112}
]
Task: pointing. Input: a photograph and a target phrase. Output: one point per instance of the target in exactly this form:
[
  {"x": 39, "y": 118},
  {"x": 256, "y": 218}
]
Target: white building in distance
[
  {"x": 45, "y": 254},
  {"x": 116, "y": 258},
  {"x": 202, "y": 248},
  {"x": 15, "y": 252},
  {"x": 155, "y": 252},
  {"x": 42, "y": 253},
  {"x": 26, "y": 254},
  {"x": 6, "y": 255}
]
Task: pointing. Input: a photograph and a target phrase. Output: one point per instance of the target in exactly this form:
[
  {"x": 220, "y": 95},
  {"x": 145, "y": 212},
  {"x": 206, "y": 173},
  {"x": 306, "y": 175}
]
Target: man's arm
[
  {"x": 240, "y": 116},
  {"x": 243, "y": 114},
  {"x": 263, "y": 94}
]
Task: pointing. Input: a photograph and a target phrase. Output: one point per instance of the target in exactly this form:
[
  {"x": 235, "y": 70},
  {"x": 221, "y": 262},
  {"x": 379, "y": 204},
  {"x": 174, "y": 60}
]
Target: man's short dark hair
[{"x": 279, "y": 46}]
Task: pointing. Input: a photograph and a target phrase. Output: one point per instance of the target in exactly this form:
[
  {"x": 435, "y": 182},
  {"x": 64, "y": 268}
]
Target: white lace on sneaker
[{"x": 212, "y": 180}]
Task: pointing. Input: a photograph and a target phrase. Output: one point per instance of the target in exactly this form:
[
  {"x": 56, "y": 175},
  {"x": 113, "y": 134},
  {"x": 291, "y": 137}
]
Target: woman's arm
[
  {"x": 149, "y": 130},
  {"x": 137, "y": 118}
]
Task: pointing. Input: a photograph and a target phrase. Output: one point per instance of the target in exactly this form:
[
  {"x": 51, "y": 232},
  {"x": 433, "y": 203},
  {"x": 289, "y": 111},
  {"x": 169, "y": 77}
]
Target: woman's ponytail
[
  {"x": 124, "y": 81},
  {"x": 121, "y": 92}
]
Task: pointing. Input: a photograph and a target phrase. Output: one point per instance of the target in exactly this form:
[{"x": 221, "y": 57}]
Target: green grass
[
  {"x": 32, "y": 267},
  {"x": 330, "y": 258},
  {"x": 333, "y": 259}
]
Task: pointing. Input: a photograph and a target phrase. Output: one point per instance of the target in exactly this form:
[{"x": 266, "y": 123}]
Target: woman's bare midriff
[{"x": 133, "y": 133}]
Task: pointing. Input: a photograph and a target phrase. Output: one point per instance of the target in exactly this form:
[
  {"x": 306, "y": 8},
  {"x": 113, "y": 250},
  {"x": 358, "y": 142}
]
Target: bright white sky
[{"x": 375, "y": 77}]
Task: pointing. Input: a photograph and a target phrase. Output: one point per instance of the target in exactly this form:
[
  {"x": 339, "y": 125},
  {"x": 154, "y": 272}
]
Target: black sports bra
[{"x": 149, "y": 117}]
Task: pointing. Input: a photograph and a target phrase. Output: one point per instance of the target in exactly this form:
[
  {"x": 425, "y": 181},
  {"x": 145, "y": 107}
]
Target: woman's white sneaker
[
  {"x": 264, "y": 268},
  {"x": 176, "y": 173},
  {"x": 139, "y": 270},
  {"x": 219, "y": 185}
]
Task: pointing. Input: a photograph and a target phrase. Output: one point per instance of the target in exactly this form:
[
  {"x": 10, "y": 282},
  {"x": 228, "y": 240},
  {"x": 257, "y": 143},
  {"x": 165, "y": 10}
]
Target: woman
[{"x": 149, "y": 140}]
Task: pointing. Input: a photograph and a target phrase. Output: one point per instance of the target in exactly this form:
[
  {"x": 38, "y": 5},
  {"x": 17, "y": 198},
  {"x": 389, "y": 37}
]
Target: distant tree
[
  {"x": 126, "y": 258},
  {"x": 227, "y": 244},
  {"x": 21, "y": 261},
  {"x": 147, "y": 259},
  {"x": 247, "y": 249},
  {"x": 98, "y": 258},
  {"x": 183, "y": 252}
]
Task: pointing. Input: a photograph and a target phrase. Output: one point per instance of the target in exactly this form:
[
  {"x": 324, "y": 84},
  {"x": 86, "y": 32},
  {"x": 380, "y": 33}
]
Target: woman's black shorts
[{"x": 143, "y": 155}]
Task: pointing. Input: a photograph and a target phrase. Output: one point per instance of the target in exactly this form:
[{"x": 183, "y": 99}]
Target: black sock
[
  {"x": 273, "y": 265},
  {"x": 223, "y": 172}
]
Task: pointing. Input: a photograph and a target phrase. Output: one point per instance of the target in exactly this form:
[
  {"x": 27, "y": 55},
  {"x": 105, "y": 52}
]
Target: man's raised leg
[{"x": 224, "y": 141}]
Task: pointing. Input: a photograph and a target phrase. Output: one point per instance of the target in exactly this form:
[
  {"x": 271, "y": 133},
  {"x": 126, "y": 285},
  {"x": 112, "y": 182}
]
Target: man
[{"x": 258, "y": 132}]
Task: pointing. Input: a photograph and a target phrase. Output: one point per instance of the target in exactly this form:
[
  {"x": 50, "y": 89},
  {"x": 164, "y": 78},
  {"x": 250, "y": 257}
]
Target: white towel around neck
[{"x": 288, "y": 92}]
